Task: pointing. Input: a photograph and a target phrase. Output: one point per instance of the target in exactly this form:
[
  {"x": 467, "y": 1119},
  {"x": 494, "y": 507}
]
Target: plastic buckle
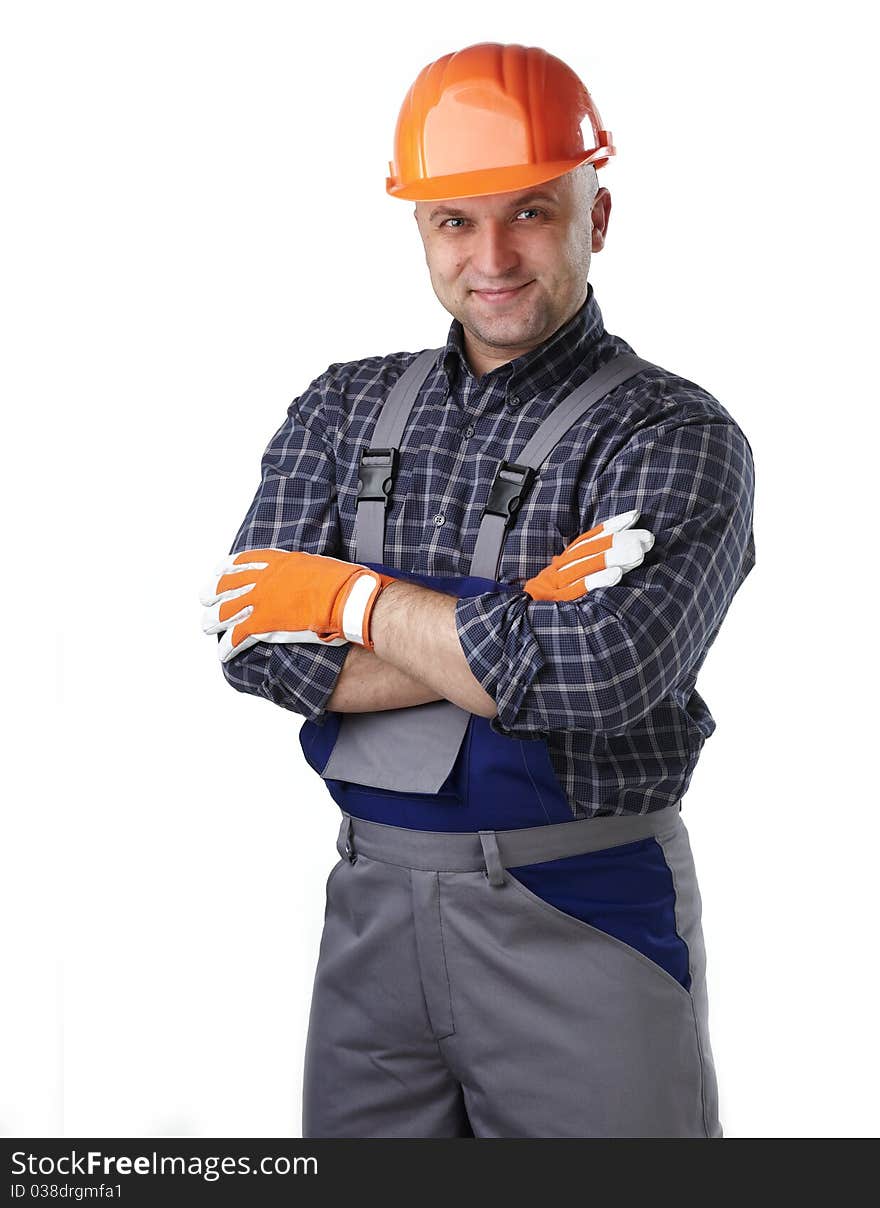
[
  {"x": 509, "y": 490},
  {"x": 376, "y": 476}
]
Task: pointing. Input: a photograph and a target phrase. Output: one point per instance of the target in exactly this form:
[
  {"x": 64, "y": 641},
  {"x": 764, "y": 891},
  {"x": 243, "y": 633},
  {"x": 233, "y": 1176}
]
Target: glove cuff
[{"x": 359, "y": 605}]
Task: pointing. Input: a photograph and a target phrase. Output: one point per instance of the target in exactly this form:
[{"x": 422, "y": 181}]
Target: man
[{"x": 497, "y": 670}]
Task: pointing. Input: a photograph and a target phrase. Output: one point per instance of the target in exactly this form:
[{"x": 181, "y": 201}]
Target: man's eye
[{"x": 528, "y": 210}]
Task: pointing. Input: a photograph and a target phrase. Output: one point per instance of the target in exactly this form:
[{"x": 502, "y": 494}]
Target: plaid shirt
[{"x": 607, "y": 680}]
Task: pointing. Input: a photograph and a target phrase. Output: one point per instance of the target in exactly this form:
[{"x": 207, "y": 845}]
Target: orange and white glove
[
  {"x": 276, "y": 595},
  {"x": 597, "y": 558}
]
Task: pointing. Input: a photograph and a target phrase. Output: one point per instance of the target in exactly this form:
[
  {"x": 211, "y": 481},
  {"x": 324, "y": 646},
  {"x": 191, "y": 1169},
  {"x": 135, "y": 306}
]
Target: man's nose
[{"x": 493, "y": 254}]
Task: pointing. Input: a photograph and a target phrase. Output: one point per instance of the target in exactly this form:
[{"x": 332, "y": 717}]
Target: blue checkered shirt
[{"x": 608, "y": 680}]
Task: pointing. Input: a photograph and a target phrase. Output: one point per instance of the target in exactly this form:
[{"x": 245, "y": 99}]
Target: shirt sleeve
[
  {"x": 294, "y": 508},
  {"x": 604, "y": 661}
]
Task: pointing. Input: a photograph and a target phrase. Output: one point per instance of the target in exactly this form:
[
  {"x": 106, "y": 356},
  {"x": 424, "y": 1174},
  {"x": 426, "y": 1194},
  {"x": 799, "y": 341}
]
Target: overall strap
[
  {"x": 378, "y": 465},
  {"x": 514, "y": 480}
]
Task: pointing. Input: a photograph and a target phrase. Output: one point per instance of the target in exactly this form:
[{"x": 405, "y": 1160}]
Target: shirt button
[
  {"x": 439, "y": 519},
  {"x": 468, "y": 431}
]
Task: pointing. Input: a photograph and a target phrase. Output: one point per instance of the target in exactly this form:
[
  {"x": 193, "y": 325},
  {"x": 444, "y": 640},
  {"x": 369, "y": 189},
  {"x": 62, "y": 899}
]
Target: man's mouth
[{"x": 496, "y": 296}]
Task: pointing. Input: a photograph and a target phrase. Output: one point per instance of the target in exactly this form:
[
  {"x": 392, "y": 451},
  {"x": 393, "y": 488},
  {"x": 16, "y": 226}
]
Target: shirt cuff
[
  {"x": 306, "y": 674},
  {"x": 502, "y": 652}
]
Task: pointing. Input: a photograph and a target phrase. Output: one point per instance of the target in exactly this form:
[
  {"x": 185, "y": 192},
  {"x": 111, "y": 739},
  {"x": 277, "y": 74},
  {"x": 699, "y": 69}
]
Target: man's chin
[{"x": 513, "y": 325}]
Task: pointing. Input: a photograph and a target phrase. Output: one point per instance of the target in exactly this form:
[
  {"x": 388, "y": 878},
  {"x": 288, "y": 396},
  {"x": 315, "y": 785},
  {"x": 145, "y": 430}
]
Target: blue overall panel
[{"x": 625, "y": 891}]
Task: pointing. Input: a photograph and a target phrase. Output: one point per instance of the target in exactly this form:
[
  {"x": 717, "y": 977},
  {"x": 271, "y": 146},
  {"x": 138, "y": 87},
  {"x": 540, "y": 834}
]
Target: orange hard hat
[{"x": 491, "y": 118}]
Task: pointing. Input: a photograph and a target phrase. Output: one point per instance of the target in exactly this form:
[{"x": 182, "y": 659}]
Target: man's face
[{"x": 533, "y": 245}]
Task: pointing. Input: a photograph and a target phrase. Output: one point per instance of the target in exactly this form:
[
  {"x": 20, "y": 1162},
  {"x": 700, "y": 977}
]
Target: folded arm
[
  {"x": 602, "y": 662},
  {"x": 367, "y": 682},
  {"x": 295, "y": 508},
  {"x": 416, "y": 629}
]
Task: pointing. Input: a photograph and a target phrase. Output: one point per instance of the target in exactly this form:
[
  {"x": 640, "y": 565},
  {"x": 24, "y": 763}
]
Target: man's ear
[{"x": 600, "y": 214}]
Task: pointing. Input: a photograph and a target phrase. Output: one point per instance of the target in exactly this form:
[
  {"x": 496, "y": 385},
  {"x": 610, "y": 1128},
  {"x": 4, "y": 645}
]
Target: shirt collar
[{"x": 542, "y": 367}]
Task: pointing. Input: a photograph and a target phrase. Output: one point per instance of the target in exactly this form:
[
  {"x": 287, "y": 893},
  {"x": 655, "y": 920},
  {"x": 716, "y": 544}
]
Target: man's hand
[
  {"x": 274, "y": 595},
  {"x": 597, "y": 558}
]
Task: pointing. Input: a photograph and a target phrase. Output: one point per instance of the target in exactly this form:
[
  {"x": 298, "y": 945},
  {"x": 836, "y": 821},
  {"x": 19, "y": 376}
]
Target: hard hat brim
[{"x": 485, "y": 181}]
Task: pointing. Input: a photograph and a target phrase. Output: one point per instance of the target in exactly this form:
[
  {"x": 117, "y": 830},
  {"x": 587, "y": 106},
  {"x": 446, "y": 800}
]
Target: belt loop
[
  {"x": 492, "y": 856},
  {"x": 345, "y": 840}
]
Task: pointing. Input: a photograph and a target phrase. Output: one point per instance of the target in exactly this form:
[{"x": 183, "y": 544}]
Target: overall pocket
[{"x": 624, "y": 893}]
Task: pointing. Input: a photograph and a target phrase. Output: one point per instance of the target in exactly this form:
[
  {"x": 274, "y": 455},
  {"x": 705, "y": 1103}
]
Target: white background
[{"x": 195, "y": 226}]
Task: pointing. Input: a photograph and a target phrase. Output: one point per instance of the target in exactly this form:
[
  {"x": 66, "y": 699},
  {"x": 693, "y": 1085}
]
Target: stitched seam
[
  {"x": 417, "y": 867},
  {"x": 678, "y": 935},
  {"x": 691, "y": 997},
  {"x": 702, "y": 1069},
  {"x": 445, "y": 966},
  {"x": 469, "y": 732},
  {"x": 532, "y": 779},
  {"x": 427, "y": 1007}
]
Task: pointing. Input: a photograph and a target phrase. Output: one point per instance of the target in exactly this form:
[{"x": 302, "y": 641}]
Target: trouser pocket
[{"x": 626, "y": 892}]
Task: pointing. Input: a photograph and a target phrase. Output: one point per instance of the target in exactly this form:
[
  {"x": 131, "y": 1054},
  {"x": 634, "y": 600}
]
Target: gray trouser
[{"x": 452, "y": 1001}]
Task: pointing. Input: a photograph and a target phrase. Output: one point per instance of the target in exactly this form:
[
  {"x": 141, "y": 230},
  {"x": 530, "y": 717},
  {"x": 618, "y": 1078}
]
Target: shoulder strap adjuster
[
  {"x": 376, "y": 474},
  {"x": 510, "y": 488}
]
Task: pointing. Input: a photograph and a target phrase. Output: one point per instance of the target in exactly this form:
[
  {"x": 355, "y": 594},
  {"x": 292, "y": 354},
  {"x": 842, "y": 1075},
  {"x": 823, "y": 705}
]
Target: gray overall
[{"x": 450, "y": 998}]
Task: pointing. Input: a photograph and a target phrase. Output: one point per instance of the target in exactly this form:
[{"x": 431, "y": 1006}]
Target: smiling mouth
[{"x": 500, "y": 295}]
